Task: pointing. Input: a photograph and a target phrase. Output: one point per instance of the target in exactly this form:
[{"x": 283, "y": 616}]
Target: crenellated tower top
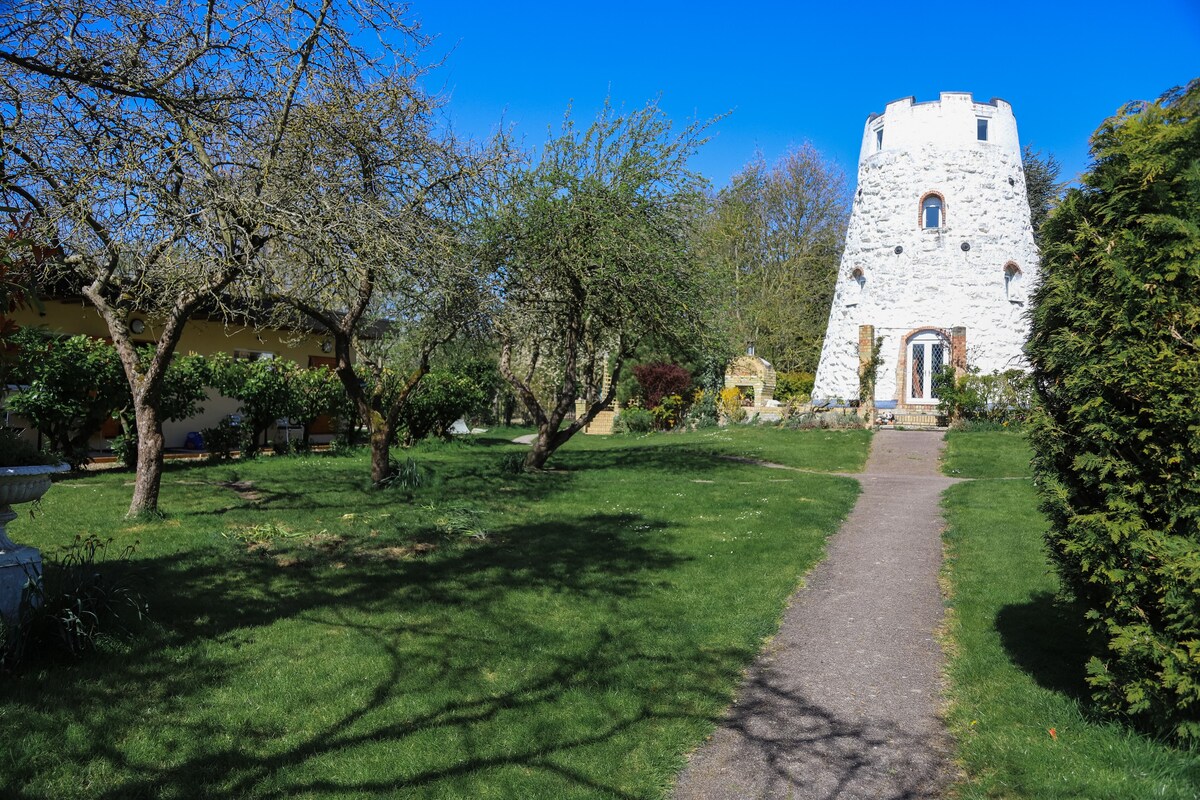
[{"x": 954, "y": 122}]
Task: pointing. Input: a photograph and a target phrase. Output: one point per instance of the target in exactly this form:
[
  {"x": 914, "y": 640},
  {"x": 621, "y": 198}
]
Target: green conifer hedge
[{"x": 1115, "y": 347}]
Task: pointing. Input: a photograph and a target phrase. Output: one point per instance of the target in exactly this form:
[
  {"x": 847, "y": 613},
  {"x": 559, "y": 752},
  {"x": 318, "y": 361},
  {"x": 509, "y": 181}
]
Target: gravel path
[{"x": 843, "y": 702}]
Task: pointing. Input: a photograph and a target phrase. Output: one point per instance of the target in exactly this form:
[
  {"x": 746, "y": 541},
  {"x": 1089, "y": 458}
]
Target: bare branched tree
[
  {"x": 383, "y": 261},
  {"x": 153, "y": 145}
]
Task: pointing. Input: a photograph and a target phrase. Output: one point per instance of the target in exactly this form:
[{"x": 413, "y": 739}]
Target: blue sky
[{"x": 795, "y": 72}]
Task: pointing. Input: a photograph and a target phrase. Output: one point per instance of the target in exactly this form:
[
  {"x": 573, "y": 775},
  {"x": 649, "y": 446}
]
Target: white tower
[{"x": 939, "y": 252}]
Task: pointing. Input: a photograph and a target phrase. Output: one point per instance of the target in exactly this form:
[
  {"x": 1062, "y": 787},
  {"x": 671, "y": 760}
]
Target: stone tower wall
[{"x": 901, "y": 277}]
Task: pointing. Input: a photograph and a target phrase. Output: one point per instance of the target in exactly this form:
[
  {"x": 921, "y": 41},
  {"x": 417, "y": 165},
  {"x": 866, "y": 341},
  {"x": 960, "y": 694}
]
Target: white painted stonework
[{"x": 932, "y": 283}]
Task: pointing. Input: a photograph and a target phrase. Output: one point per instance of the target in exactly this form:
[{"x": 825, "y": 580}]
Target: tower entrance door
[{"x": 928, "y": 353}]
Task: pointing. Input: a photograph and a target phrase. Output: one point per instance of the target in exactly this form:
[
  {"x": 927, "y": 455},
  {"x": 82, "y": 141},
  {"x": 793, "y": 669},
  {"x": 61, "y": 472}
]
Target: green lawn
[
  {"x": 564, "y": 635},
  {"x": 1017, "y": 665},
  {"x": 986, "y": 454}
]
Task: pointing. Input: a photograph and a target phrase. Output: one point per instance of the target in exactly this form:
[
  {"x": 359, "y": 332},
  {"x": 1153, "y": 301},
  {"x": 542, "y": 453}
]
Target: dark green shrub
[
  {"x": 442, "y": 397},
  {"x": 1115, "y": 347},
  {"x": 634, "y": 420},
  {"x": 794, "y": 386},
  {"x": 18, "y": 452},
  {"x": 222, "y": 440}
]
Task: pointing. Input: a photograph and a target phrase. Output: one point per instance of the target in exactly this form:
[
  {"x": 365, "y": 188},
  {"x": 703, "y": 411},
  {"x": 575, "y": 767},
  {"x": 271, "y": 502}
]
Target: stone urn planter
[{"x": 18, "y": 565}]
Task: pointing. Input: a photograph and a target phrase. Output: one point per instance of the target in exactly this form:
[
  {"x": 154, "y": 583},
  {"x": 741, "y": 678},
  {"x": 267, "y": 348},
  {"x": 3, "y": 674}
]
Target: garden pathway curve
[{"x": 844, "y": 701}]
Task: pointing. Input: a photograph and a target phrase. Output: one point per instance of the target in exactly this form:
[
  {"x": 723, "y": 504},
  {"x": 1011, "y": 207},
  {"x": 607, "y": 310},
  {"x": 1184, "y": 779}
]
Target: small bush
[
  {"x": 669, "y": 412},
  {"x": 221, "y": 441},
  {"x": 1001, "y": 397},
  {"x": 703, "y": 412},
  {"x": 633, "y": 420},
  {"x": 731, "y": 404},
  {"x": 18, "y": 452},
  {"x": 794, "y": 386},
  {"x": 830, "y": 420}
]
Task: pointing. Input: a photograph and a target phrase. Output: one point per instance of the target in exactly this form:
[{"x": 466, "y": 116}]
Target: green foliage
[
  {"x": 772, "y": 242},
  {"x": 73, "y": 385},
  {"x": 823, "y": 420},
  {"x": 18, "y": 452},
  {"x": 591, "y": 252},
  {"x": 669, "y": 412},
  {"x": 634, "y": 420},
  {"x": 793, "y": 386},
  {"x": 999, "y": 399},
  {"x": 870, "y": 372},
  {"x": 1115, "y": 346},
  {"x": 184, "y": 387},
  {"x": 1042, "y": 187},
  {"x": 442, "y": 397},
  {"x": 406, "y": 475},
  {"x": 223, "y": 439},
  {"x": 266, "y": 388}
]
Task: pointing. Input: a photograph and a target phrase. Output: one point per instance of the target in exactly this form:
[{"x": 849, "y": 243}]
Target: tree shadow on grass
[
  {"x": 143, "y": 721},
  {"x": 1047, "y": 638}
]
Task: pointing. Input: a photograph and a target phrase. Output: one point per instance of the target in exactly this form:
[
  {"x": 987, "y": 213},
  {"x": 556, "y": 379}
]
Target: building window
[
  {"x": 981, "y": 126},
  {"x": 252, "y": 355},
  {"x": 879, "y": 138},
  {"x": 1014, "y": 283},
  {"x": 931, "y": 212}
]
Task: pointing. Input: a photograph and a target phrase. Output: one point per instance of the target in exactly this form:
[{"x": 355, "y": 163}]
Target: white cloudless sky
[{"x": 787, "y": 73}]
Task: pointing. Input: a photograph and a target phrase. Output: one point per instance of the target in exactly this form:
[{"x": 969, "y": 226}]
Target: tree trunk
[
  {"x": 543, "y": 447},
  {"x": 149, "y": 460},
  {"x": 380, "y": 452}
]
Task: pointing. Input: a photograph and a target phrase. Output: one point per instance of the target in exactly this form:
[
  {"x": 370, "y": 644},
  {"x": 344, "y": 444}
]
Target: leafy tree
[
  {"x": 774, "y": 238},
  {"x": 1115, "y": 348},
  {"x": 1042, "y": 187},
  {"x": 152, "y": 144},
  {"x": 265, "y": 387},
  {"x": 442, "y": 397},
  {"x": 72, "y": 385},
  {"x": 317, "y": 392},
  {"x": 590, "y": 253}
]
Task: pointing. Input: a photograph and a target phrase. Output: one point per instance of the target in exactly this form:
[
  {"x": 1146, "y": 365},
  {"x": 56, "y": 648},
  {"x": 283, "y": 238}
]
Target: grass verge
[
  {"x": 1019, "y": 705},
  {"x": 570, "y": 634}
]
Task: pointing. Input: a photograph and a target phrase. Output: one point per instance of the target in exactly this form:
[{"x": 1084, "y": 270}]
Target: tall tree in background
[
  {"x": 148, "y": 142},
  {"x": 1115, "y": 350},
  {"x": 1042, "y": 187},
  {"x": 774, "y": 238},
  {"x": 589, "y": 249}
]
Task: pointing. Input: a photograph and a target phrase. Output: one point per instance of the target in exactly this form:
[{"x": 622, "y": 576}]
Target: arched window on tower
[
  {"x": 1014, "y": 283},
  {"x": 932, "y": 212}
]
